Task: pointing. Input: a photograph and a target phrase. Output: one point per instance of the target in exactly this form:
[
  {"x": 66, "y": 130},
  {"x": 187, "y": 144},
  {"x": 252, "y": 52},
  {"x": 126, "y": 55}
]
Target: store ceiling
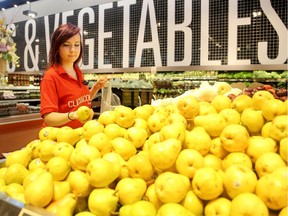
[{"x": 6, "y": 4}]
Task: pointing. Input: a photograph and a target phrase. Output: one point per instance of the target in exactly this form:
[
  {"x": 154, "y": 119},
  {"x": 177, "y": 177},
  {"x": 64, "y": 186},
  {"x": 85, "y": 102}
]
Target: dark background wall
[{"x": 32, "y": 35}]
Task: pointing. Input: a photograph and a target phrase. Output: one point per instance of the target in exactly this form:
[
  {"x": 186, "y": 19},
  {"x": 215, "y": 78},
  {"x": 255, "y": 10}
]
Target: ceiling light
[
  {"x": 30, "y": 13},
  {"x": 256, "y": 13}
]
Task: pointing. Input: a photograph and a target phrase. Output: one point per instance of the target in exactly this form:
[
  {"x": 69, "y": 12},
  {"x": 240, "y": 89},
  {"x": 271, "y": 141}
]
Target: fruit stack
[
  {"x": 278, "y": 93},
  {"x": 190, "y": 158}
]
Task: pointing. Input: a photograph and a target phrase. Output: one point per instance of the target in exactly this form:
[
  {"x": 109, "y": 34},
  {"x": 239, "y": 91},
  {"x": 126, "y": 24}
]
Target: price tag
[{"x": 153, "y": 70}]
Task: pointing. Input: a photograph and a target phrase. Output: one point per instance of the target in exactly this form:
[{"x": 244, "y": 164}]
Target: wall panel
[{"x": 147, "y": 33}]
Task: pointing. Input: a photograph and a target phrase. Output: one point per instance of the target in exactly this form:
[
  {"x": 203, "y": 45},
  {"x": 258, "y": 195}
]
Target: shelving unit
[
  {"x": 175, "y": 85},
  {"x": 18, "y": 128},
  {"x": 20, "y": 100}
]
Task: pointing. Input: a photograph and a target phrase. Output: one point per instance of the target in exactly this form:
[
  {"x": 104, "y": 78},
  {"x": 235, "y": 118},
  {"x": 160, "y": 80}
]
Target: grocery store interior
[{"x": 153, "y": 51}]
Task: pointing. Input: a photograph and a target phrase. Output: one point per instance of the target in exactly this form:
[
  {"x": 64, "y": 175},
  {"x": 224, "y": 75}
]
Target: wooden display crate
[
  {"x": 134, "y": 97},
  {"x": 146, "y": 96}
]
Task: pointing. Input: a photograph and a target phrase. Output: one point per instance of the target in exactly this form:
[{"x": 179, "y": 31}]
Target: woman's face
[{"x": 69, "y": 51}]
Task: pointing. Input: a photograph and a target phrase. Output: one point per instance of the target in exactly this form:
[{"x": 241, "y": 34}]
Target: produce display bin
[
  {"x": 9, "y": 206},
  {"x": 17, "y": 131},
  {"x": 134, "y": 97},
  {"x": 130, "y": 97},
  {"x": 146, "y": 96}
]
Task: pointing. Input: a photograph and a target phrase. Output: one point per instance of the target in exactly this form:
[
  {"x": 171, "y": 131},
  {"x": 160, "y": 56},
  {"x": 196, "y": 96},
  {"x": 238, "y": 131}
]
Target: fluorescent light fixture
[{"x": 30, "y": 13}]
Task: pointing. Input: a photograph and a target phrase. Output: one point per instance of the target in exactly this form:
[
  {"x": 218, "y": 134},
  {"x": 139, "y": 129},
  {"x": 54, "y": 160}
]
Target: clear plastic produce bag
[{"x": 108, "y": 99}]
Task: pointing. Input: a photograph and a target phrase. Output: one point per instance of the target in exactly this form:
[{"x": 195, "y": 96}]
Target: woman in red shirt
[{"x": 62, "y": 88}]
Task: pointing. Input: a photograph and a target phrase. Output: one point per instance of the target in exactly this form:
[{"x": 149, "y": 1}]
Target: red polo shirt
[{"x": 61, "y": 93}]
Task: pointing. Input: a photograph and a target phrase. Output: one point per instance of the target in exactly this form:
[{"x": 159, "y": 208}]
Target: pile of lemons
[{"x": 218, "y": 157}]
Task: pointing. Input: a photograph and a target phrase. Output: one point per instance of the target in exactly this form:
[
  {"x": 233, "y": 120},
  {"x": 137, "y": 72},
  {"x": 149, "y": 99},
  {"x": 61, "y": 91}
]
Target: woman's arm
[
  {"x": 55, "y": 119},
  {"x": 97, "y": 86}
]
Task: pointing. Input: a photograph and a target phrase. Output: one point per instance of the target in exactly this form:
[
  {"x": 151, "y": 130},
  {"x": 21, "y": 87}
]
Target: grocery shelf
[
  {"x": 186, "y": 78},
  {"x": 252, "y": 80},
  {"x": 19, "y": 87},
  {"x": 20, "y": 100}
]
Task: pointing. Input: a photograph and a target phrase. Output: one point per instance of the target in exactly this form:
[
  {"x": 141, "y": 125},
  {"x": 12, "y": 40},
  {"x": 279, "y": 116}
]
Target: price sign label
[{"x": 153, "y": 70}]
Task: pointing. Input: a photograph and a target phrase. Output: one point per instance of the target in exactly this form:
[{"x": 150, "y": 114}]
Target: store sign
[{"x": 162, "y": 49}]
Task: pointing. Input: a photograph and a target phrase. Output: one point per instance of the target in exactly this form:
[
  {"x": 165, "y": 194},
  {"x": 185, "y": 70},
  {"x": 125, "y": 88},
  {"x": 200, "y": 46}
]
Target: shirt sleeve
[{"x": 49, "y": 96}]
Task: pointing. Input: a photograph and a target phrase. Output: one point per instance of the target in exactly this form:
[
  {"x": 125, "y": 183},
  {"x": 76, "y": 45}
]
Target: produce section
[
  {"x": 198, "y": 123},
  {"x": 275, "y": 78},
  {"x": 171, "y": 84},
  {"x": 133, "y": 88},
  {"x": 211, "y": 149}
]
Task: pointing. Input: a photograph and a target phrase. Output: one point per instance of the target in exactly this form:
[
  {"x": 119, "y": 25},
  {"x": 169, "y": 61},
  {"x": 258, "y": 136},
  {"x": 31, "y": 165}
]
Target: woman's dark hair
[{"x": 60, "y": 36}]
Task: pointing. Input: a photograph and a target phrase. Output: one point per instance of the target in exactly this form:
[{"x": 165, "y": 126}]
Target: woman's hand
[
  {"x": 73, "y": 115},
  {"x": 100, "y": 83}
]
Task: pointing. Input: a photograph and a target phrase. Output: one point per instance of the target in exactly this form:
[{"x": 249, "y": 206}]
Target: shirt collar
[{"x": 60, "y": 70}]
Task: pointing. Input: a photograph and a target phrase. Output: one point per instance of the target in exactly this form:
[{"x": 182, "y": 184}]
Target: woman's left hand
[{"x": 101, "y": 83}]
